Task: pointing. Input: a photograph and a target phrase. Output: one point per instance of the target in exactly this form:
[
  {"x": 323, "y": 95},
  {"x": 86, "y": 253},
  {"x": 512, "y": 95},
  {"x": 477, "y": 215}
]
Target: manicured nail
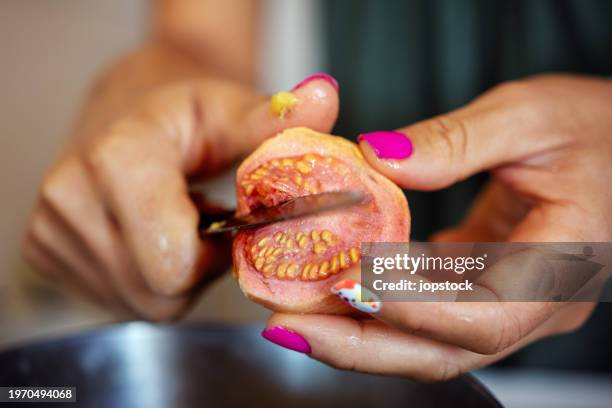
[
  {"x": 357, "y": 296},
  {"x": 388, "y": 144},
  {"x": 287, "y": 338},
  {"x": 326, "y": 77}
]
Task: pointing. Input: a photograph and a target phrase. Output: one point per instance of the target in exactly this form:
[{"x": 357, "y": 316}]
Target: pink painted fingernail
[
  {"x": 326, "y": 77},
  {"x": 388, "y": 144},
  {"x": 287, "y": 338},
  {"x": 355, "y": 295}
]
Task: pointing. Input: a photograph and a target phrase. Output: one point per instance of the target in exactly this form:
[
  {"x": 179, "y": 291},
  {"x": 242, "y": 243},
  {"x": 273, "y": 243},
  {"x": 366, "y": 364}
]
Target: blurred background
[{"x": 52, "y": 51}]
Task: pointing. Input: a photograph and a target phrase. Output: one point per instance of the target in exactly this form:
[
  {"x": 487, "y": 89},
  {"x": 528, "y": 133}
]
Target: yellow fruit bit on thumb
[{"x": 282, "y": 102}]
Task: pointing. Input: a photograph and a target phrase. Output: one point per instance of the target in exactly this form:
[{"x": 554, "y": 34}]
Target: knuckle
[
  {"x": 62, "y": 183},
  {"x": 411, "y": 322},
  {"x": 453, "y": 134},
  {"x": 506, "y": 331},
  {"x": 514, "y": 90},
  {"x": 129, "y": 150},
  {"x": 445, "y": 370},
  {"x": 525, "y": 102},
  {"x": 350, "y": 361},
  {"x": 52, "y": 190},
  {"x": 493, "y": 343},
  {"x": 512, "y": 330},
  {"x": 342, "y": 362},
  {"x": 103, "y": 154}
]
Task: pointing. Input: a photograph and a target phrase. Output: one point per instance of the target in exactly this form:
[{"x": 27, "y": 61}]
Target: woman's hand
[
  {"x": 548, "y": 145},
  {"x": 114, "y": 216}
]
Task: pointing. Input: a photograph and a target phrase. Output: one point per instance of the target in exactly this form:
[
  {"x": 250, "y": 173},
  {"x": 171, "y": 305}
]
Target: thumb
[
  {"x": 236, "y": 120},
  {"x": 494, "y": 130},
  {"x": 312, "y": 103}
]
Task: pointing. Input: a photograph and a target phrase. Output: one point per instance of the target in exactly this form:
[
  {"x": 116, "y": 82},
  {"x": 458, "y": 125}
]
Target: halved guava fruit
[{"x": 291, "y": 266}]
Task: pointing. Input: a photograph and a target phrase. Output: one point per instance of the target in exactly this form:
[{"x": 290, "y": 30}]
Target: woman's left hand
[{"x": 547, "y": 142}]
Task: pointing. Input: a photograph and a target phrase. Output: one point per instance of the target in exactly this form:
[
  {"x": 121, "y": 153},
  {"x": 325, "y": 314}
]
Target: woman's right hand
[{"x": 114, "y": 216}]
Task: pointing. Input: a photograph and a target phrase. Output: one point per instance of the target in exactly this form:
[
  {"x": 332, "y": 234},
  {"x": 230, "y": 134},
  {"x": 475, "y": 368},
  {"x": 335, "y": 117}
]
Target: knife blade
[{"x": 295, "y": 208}]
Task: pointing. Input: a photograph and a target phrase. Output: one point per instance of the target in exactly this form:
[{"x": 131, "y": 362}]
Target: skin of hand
[
  {"x": 114, "y": 217},
  {"x": 546, "y": 142}
]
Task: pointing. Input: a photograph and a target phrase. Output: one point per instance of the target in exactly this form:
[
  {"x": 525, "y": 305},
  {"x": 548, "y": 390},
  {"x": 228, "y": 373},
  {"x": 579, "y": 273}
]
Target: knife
[{"x": 224, "y": 221}]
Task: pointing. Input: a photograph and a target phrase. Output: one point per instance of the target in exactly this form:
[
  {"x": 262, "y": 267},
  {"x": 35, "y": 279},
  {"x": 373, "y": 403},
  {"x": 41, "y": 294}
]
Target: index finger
[
  {"x": 508, "y": 301},
  {"x": 141, "y": 164}
]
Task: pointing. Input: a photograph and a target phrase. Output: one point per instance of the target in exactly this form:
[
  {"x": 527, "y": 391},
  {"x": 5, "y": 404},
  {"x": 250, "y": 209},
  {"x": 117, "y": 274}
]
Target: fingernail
[
  {"x": 388, "y": 144},
  {"x": 287, "y": 338},
  {"x": 357, "y": 296},
  {"x": 326, "y": 77}
]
